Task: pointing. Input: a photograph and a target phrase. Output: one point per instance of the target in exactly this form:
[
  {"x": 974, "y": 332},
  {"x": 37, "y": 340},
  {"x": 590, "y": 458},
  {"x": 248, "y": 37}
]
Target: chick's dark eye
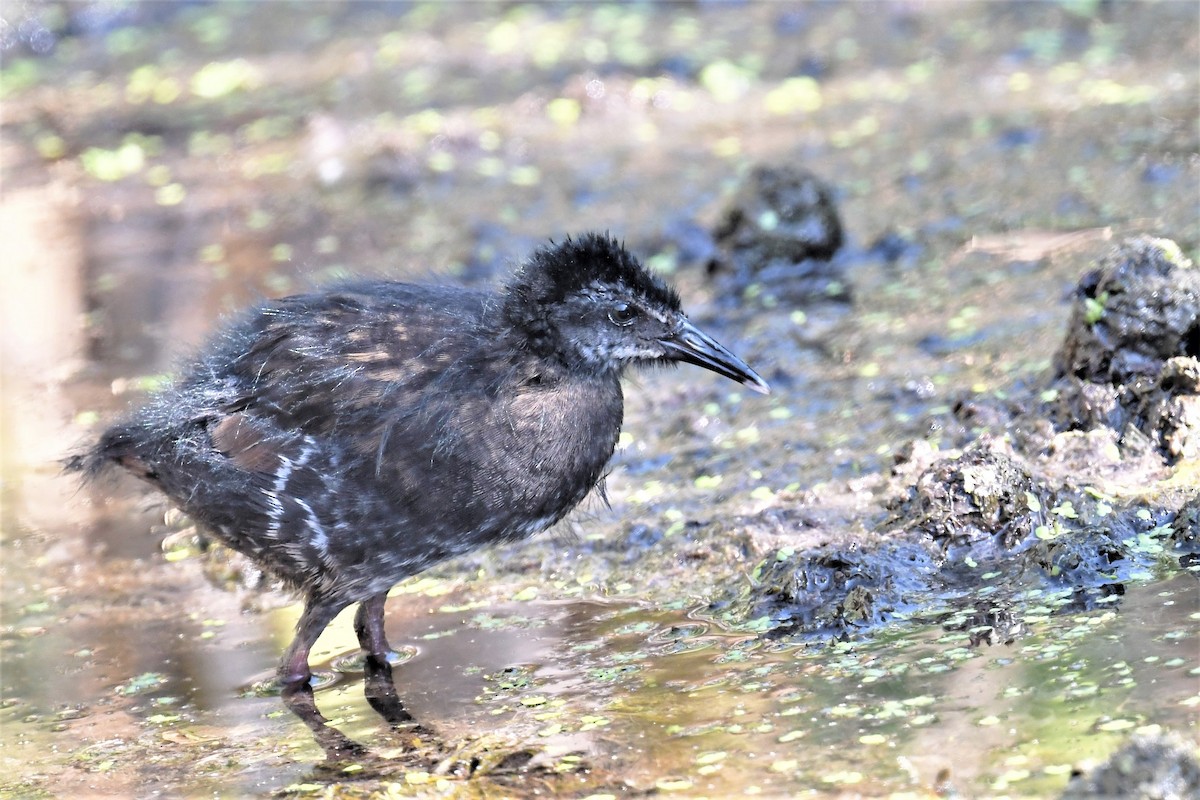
[{"x": 622, "y": 314}]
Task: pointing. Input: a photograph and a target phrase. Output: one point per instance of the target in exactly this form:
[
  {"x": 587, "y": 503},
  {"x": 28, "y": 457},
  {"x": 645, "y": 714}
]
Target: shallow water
[
  {"x": 147, "y": 192},
  {"x": 676, "y": 699}
]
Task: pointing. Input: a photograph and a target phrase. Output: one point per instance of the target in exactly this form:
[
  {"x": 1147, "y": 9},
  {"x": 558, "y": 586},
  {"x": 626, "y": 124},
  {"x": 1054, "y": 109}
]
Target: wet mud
[{"x": 1047, "y": 493}]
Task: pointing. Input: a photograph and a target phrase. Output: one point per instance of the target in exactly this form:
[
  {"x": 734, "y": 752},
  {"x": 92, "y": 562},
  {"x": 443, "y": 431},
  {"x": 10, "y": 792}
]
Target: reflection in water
[
  {"x": 380, "y": 691},
  {"x": 41, "y": 342}
]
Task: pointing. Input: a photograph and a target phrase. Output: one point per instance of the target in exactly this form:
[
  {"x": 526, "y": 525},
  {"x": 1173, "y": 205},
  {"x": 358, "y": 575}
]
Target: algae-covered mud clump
[
  {"x": 1060, "y": 487},
  {"x": 1129, "y": 361},
  {"x": 1147, "y": 766},
  {"x": 782, "y": 228}
]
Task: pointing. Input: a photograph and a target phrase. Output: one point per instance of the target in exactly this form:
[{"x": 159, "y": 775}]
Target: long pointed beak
[{"x": 694, "y": 346}]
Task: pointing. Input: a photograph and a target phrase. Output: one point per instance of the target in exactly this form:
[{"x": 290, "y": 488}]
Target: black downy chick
[{"x": 347, "y": 439}]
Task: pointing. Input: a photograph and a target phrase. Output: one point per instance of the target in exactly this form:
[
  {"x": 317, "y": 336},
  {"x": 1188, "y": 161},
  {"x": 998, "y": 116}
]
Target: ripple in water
[{"x": 352, "y": 663}]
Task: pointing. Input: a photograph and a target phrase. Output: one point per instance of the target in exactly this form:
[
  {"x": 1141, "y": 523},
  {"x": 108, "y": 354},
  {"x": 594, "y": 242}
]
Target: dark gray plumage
[{"x": 350, "y": 438}]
